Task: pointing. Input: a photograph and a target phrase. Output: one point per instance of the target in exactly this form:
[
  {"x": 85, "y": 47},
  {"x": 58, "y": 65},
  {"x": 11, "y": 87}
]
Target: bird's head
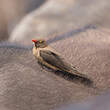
[{"x": 39, "y": 43}]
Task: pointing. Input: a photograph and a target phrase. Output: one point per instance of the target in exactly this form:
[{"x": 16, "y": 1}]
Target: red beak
[{"x": 34, "y": 40}]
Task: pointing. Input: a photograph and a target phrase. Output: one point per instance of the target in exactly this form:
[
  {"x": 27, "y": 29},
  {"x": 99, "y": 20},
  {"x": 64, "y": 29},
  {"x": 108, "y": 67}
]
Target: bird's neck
[{"x": 35, "y": 50}]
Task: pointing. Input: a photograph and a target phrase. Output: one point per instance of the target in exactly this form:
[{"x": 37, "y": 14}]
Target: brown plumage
[{"x": 51, "y": 59}]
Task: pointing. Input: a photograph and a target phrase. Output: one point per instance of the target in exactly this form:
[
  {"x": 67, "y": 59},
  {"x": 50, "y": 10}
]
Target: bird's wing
[{"x": 55, "y": 60}]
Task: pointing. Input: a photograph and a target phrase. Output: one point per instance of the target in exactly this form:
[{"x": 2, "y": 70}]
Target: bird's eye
[{"x": 40, "y": 41}]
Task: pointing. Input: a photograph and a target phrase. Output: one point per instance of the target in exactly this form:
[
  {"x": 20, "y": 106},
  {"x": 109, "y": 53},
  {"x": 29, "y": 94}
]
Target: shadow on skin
[
  {"x": 70, "y": 77},
  {"x": 75, "y": 78},
  {"x": 71, "y": 33}
]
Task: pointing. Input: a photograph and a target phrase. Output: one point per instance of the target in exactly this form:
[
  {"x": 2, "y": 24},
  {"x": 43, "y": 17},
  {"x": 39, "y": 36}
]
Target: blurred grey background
[
  {"x": 11, "y": 12},
  {"x": 58, "y": 16},
  {"x": 49, "y": 17}
]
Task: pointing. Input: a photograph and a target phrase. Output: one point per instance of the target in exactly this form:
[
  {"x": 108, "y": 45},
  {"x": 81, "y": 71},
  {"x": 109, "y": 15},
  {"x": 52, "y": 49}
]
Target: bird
[{"x": 51, "y": 59}]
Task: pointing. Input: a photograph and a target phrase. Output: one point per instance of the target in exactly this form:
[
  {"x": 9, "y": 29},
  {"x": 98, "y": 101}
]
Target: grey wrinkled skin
[{"x": 25, "y": 85}]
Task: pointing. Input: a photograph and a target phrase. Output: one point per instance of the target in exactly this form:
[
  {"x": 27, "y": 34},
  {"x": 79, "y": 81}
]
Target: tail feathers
[
  {"x": 75, "y": 72},
  {"x": 81, "y": 77}
]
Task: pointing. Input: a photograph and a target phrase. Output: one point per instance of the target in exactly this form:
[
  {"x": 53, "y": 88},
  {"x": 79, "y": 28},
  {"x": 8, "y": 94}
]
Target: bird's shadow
[
  {"x": 70, "y": 77},
  {"x": 75, "y": 78}
]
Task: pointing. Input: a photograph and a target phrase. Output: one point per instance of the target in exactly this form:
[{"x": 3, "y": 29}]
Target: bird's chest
[{"x": 36, "y": 52}]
